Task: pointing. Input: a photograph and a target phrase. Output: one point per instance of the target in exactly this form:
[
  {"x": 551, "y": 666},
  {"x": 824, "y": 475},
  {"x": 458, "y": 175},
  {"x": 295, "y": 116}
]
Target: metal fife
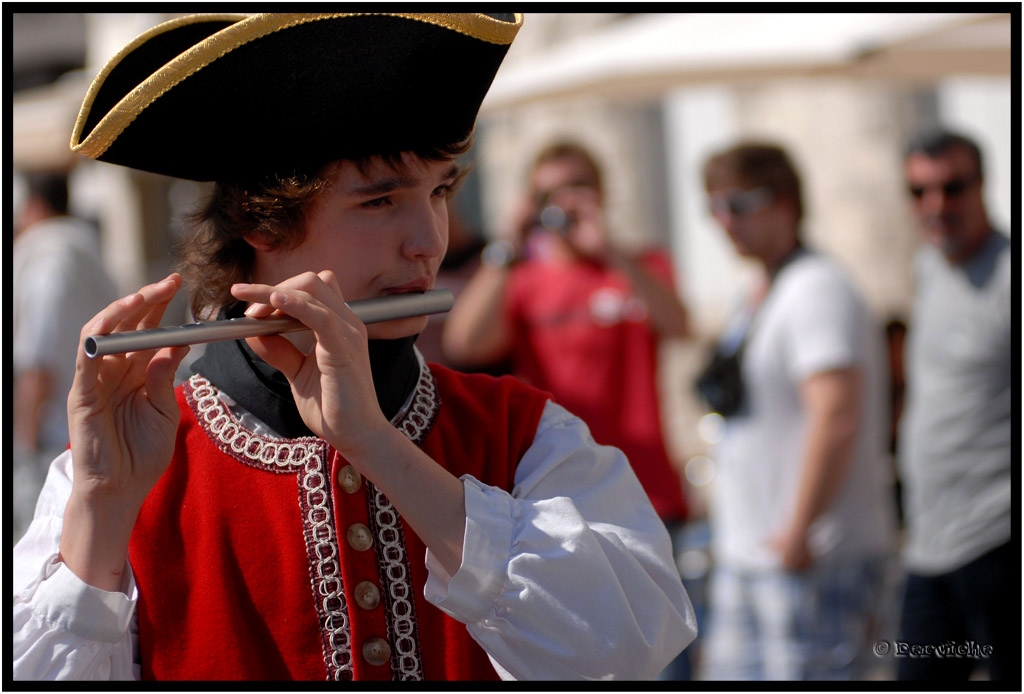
[{"x": 376, "y": 310}]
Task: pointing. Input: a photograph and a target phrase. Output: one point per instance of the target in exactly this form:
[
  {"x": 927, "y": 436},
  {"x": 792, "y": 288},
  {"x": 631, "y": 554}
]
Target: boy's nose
[{"x": 427, "y": 234}]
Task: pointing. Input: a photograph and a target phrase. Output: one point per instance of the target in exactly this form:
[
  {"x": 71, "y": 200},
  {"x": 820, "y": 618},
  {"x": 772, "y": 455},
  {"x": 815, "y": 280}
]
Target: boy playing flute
[{"x": 335, "y": 509}]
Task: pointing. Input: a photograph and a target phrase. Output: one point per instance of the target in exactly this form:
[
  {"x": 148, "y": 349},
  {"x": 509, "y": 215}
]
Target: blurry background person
[
  {"x": 58, "y": 283},
  {"x": 955, "y": 442},
  {"x": 801, "y": 517},
  {"x": 460, "y": 264},
  {"x": 579, "y": 317}
]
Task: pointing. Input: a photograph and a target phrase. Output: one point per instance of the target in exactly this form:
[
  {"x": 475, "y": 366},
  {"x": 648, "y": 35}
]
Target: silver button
[
  {"x": 367, "y": 595},
  {"x": 376, "y": 651},
  {"x": 359, "y": 537},
  {"x": 350, "y": 479}
]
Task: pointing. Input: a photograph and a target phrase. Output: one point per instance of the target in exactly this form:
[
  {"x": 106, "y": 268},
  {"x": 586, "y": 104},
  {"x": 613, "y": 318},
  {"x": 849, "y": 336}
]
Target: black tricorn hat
[{"x": 227, "y": 97}]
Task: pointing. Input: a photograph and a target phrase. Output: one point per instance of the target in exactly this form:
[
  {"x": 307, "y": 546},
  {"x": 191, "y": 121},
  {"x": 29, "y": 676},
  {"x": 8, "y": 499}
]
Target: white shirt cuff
[
  {"x": 469, "y": 595},
  {"x": 64, "y": 600}
]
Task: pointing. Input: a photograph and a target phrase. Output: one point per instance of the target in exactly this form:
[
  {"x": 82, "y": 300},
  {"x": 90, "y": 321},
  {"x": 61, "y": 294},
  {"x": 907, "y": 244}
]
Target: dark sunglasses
[
  {"x": 740, "y": 203},
  {"x": 950, "y": 189}
]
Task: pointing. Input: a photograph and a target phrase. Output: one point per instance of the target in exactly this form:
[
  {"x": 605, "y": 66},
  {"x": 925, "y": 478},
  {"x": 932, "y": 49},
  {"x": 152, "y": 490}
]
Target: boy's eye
[{"x": 376, "y": 202}]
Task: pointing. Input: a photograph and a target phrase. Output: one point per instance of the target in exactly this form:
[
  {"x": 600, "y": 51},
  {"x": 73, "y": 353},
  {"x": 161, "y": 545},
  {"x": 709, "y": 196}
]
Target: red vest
[{"x": 272, "y": 559}]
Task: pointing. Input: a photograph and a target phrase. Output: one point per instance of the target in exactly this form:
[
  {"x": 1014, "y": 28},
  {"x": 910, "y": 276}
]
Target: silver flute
[{"x": 376, "y": 310}]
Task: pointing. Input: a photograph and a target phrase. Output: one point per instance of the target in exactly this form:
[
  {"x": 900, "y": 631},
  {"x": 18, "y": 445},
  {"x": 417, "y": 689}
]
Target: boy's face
[{"x": 383, "y": 232}]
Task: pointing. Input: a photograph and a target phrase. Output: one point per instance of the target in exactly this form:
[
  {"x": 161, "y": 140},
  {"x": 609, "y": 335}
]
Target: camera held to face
[{"x": 555, "y": 219}]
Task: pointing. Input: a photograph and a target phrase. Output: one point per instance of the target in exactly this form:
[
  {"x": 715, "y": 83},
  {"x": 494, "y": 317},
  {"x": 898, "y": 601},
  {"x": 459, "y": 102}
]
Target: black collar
[{"x": 263, "y": 390}]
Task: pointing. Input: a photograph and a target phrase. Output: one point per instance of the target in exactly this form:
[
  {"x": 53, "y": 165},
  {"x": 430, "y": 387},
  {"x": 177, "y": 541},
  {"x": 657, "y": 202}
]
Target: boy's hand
[
  {"x": 122, "y": 420},
  {"x": 332, "y": 384}
]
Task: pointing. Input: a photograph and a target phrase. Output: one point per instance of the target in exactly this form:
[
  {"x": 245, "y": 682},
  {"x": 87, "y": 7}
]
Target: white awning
[{"x": 647, "y": 55}]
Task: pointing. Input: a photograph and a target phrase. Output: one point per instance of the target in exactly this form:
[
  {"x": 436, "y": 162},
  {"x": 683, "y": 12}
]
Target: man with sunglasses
[
  {"x": 955, "y": 437},
  {"x": 801, "y": 517}
]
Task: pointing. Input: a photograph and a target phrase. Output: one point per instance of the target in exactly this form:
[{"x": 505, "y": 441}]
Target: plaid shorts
[{"x": 815, "y": 625}]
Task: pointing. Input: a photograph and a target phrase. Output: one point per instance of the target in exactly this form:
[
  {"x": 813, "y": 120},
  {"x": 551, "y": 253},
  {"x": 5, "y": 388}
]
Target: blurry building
[{"x": 652, "y": 95}]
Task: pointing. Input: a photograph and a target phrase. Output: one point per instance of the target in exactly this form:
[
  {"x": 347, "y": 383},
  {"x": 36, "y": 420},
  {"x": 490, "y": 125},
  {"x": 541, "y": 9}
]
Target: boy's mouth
[{"x": 417, "y": 286}]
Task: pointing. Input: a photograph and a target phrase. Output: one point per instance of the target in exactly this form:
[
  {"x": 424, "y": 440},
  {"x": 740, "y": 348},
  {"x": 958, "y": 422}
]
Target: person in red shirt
[{"x": 578, "y": 316}]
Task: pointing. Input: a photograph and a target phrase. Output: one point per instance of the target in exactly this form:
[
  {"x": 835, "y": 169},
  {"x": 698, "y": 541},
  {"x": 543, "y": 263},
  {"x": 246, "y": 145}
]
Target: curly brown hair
[{"x": 216, "y": 254}]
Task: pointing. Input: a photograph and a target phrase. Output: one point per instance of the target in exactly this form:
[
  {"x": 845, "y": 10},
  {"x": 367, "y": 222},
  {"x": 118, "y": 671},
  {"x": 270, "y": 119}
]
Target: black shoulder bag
[{"x": 720, "y": 383}]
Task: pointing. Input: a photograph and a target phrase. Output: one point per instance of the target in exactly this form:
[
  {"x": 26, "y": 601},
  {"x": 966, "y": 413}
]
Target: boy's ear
[{"x": 258, "y": 241}]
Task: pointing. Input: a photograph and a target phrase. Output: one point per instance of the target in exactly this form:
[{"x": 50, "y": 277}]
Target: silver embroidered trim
[
  {"x": 393, "y": 562},
  {"x": 393, "y": 565},
  {"x": 276, "y": 455},
  {"x": 309, "y": 456},
  {"x": 416, "y": 420},
  {"x": 322, "y": 547}
]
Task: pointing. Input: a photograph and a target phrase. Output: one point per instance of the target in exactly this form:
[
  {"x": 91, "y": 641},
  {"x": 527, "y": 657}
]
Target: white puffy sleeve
[
  {"x": 64, "y": 628},
  {"x": 571, "y": 576}
]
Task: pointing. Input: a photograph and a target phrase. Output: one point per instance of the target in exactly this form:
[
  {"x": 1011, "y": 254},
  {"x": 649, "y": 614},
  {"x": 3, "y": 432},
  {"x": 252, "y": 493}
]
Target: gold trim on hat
[
  {"x": 219, "y": 44},
  {"x": 477, "y": 26}
]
